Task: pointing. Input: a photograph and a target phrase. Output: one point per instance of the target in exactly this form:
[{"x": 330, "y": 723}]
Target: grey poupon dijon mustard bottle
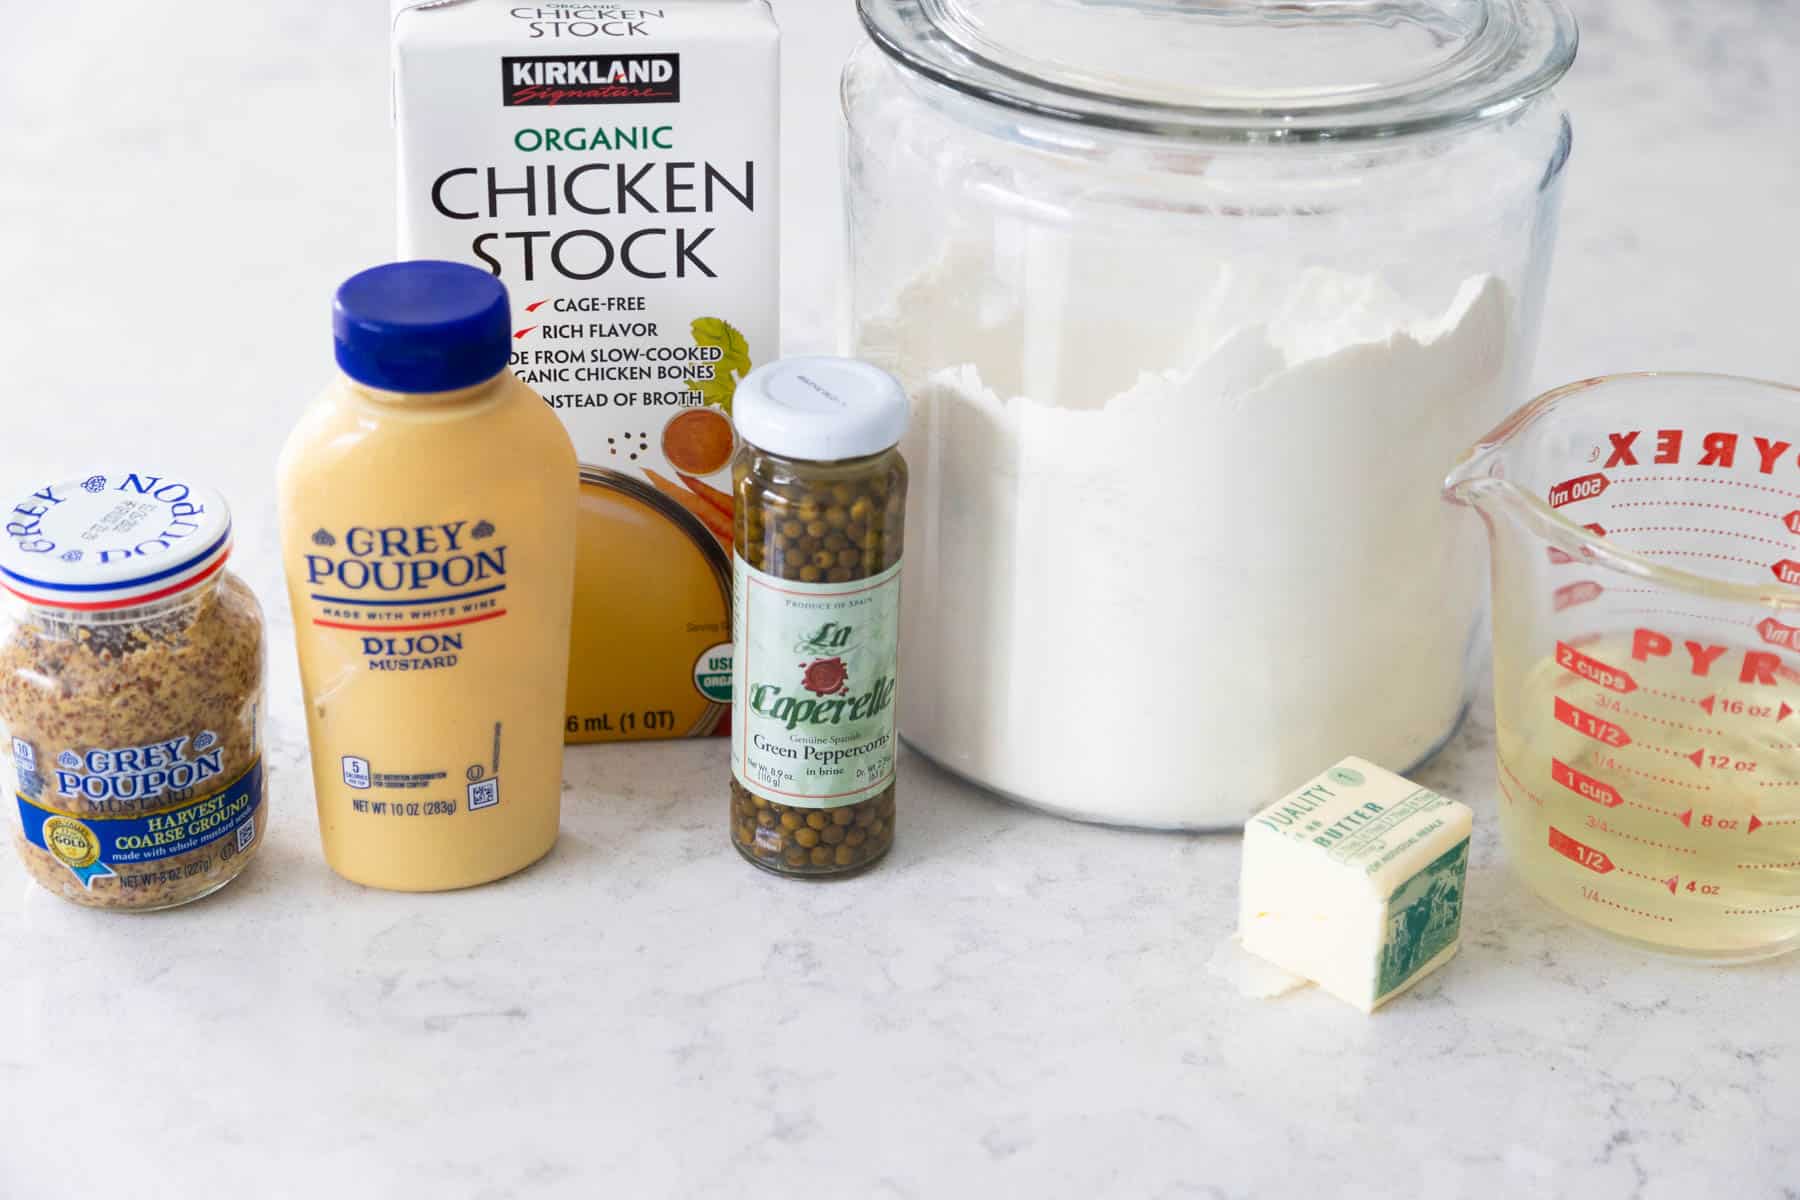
[
  {"x": 428, "y": 504},
  {"x": 821, "y": 506}
]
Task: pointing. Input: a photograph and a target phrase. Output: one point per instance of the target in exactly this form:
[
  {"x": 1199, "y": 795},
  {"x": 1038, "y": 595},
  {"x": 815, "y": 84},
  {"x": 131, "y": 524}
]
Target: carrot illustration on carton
[
  {"x": 716, "y": 520},
  {"x": 712, "y": 495}
]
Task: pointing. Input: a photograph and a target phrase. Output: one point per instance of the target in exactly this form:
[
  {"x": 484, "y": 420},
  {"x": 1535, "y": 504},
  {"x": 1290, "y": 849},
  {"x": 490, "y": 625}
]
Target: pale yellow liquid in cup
[
  {"x": 1694, "y": 858},
  {"x": 438, "y": 741}
]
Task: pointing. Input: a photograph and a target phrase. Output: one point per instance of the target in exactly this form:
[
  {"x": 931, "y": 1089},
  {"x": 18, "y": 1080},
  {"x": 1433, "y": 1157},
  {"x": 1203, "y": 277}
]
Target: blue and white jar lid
[{"x": 112, "y": 540}]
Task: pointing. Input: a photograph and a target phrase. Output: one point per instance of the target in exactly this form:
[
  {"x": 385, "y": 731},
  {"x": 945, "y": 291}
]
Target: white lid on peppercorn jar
[
  {"x": 821, "y": 408},
  {"x": 821, "y": 505}
]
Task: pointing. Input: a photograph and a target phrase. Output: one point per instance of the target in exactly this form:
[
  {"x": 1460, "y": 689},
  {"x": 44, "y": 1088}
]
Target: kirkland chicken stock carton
[{"x": 616, "y": 167}]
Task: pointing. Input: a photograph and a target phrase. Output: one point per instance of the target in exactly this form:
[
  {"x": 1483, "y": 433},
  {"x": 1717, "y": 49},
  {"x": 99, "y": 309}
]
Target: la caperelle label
[{"x": 813, "y": 682}]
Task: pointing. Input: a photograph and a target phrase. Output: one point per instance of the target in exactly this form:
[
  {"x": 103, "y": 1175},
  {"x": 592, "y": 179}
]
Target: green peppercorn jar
[{"x": 821, "y": 507}]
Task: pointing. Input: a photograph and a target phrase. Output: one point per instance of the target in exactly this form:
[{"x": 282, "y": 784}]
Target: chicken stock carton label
[{"x": 616, "y": 166}]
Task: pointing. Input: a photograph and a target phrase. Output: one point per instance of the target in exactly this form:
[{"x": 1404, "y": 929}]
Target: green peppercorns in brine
[{"x": 820, "y": 496}]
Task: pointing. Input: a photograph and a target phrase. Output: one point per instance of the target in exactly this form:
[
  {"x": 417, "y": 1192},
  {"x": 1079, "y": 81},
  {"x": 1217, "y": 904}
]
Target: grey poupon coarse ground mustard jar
[
  {"x": 131, "y": 688},
  {"x": 821, "y": 504}
]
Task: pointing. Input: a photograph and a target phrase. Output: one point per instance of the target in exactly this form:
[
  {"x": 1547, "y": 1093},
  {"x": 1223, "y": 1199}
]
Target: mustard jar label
[{"x": 138, "y": 807}]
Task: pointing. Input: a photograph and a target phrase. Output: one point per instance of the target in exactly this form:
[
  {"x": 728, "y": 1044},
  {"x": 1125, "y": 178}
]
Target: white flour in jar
[{"x": 1161, "y": 600}]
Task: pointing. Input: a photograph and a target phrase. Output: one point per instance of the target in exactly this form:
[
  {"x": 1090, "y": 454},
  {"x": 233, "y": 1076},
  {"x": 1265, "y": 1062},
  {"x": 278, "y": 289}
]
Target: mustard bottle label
[
  {"x": 421, "y": 600},
  {"x": 814, "y": 674},
  {"x": 413, "y": 595}
]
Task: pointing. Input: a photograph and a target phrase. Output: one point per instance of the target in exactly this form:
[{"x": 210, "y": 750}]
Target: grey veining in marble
[{"x": 1011, "y": 1005}]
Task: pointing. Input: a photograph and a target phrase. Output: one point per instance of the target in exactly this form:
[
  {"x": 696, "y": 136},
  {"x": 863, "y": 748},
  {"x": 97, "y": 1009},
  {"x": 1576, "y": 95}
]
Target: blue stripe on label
[
  {"x": 408, "y": 603},
  {"x": 132, "y": 581},
  {"x": 138, "y": 840}
]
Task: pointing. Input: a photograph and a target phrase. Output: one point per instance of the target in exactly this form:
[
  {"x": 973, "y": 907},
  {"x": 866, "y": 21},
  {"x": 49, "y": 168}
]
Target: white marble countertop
[{"x": 1011, "y": 1005}]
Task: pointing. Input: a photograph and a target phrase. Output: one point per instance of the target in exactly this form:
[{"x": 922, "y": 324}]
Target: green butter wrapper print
[{"x": 1424, "y": 918}]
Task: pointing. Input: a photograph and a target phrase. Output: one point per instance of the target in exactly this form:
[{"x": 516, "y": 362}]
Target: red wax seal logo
[{"x": 825, "y": 677}]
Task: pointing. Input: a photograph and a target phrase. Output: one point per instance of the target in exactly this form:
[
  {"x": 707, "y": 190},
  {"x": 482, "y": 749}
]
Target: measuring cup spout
[
  {"x": 1496, "y": 479},
  {"x": 1479, "y": 479},
  {"x": 1486, "y": 477}
]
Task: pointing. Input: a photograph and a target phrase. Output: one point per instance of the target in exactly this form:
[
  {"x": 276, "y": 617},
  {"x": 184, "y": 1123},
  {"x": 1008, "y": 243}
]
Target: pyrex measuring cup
[{"x": 1645, "y": 537}]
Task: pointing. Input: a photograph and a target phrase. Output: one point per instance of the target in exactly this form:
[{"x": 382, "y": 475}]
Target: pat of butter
[{"x": 1356, "y": 882}]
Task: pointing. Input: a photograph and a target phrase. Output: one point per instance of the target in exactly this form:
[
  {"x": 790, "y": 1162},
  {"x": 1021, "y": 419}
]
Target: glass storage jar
[
  {"x": 131, "y": 686},
  {"x": 1193, "y": 302}
]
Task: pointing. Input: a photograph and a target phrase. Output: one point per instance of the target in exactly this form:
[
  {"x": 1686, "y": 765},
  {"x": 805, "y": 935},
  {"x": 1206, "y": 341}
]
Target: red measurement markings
[
  {"x": 1730, "y": 558},
  {"x": 1607, "y": 796},
  {"x": 1760, "y": 912},
  {"x": 1670, "y": 882},
  {"x": 1507, "y": 772},
  {"x": 1661, "y": 479},
  {"x": 1673, "y": 695},
  {"x": 1603, "y": 794},
  {"x": 1730, "y": 508},
  {"x": 1580, "y": 853},
  {"x": 1644, "y": 716},
  {"x": 1723, "y": 824},
  {"x": 1559, "y": 557},
  {"x": 1777, "y": 634},
  {"x": 1582, "y": 487},
  {"x": 1786, "y": 866},
  {"x": 1792, "y": 521},
  {"x": 1725, "y": 706},
  {"x": 1787, "y": 570},
  {"x": 1570, "y": 594},
  {"x": 1587, "y": 723},
  {"x": 1697, "y": 757},
  {"x": 1585, "y": 786},
  {"x": 1599, "y": 825},
  {"x": 1589, "y": 893},
  {"x": 1670, "y": 847},
  {"x": 1611, "y": 678},
  {"x": 1675, "y": 612},
  {"x": 1778, "y": 543},
  {"x": 1613, "y": 764}
]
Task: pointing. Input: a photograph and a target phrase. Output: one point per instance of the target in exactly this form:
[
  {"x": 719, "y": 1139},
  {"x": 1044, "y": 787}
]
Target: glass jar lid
[
  {"x": 112, "y": 540},
  {"x": 1238, "y": 70},
  {"x": 820, "y": 408}
]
